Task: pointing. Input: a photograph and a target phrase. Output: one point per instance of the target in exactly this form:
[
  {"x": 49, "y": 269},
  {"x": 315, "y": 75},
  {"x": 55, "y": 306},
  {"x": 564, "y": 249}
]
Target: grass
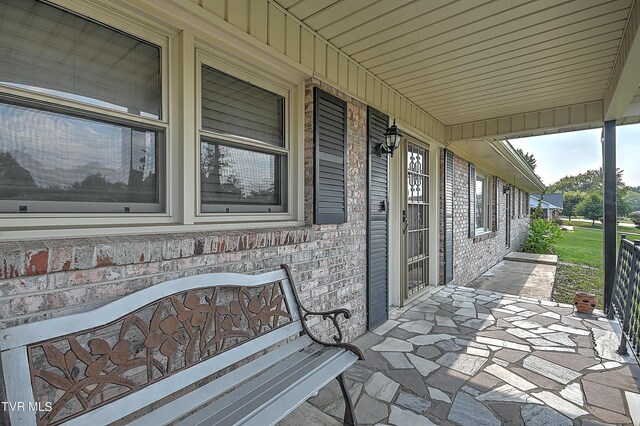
[
  {"x": 580, "y": 256},
  {"x": 621, "y": 229},
  {"x": 573, "y": 278},
  {"x": 581, "y": 246}
]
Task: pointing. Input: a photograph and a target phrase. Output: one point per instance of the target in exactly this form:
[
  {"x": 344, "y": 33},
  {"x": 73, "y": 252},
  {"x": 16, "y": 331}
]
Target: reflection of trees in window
[
  {"x": 16, "y": 181},
  {"x": 217, "y": 178}
]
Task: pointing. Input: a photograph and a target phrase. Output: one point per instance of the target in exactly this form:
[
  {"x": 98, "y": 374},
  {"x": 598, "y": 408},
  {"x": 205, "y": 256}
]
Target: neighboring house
[
  {"x": 147, "y": 140},
  {"x": 550, "y": 210},
  {"x": 555, "y": 198}
]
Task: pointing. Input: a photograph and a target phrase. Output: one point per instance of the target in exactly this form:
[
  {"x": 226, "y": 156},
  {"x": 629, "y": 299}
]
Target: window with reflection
[
  {"x": 481, "y": 202},
  {"x": 81, "y": 114},
  {"x": 243, "y": 154}
]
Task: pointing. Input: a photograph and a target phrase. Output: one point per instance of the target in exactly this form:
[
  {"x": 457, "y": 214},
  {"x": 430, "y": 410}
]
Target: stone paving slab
[{"x": 526, "y": 362}]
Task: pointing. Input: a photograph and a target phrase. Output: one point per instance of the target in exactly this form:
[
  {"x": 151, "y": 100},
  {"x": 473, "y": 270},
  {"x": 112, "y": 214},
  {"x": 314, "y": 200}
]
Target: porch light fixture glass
[{"x": 392, "y": 138}]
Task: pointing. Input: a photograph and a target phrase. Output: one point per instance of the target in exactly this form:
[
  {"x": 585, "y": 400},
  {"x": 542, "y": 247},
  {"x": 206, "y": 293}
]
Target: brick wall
[
  {"x": 473, "y": 256},
  {"x": 42, "y": 279}
]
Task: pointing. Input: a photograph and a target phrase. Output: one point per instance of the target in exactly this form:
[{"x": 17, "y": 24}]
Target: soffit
[
  {"x": 471, "y": 60},
  {"x": 498, "y": 158}
]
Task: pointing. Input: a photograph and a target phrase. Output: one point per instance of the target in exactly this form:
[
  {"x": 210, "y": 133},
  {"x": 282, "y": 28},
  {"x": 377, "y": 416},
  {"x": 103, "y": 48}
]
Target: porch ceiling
[{"x": 468, "y": 61}]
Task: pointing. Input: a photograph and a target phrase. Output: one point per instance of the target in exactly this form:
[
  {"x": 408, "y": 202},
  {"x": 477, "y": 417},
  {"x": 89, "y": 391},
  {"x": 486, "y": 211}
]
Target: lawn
[
  {"x": 621, "y": 229},
  {"x": 580, "y": 266}
]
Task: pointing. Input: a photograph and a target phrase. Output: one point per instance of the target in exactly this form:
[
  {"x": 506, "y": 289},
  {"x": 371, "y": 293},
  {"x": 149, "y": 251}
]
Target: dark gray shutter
[
  {"x": 330, "y": 173},
  {"x": 448, "y": 216},
  {"x": 378, "y": 235},
  {"x": 472, "y": 200},
  {"x": 496, "y": 197}
]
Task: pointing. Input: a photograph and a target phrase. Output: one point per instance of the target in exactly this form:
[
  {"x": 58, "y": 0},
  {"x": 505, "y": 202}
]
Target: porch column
[{"x": 610, "y": 210}]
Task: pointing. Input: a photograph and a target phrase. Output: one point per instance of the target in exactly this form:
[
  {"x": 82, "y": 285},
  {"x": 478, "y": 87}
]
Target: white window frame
[
  {"x": 287, "y": 88},
  {"x": 94, "y": 217},
  {"x": 486, "y": 203}
]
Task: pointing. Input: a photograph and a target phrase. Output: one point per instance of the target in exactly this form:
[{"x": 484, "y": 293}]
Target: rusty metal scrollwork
[{"x": 81, "y": 372}]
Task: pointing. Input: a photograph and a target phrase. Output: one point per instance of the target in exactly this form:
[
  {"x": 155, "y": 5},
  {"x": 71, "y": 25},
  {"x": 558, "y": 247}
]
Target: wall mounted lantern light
[
  {"x": 392, "y": 138},
  {"x": 506, "y": 189}
]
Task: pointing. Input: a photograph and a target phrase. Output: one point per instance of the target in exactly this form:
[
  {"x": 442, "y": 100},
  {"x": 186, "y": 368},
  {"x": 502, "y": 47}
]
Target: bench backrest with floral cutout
[{"x": 148, "y": 344}]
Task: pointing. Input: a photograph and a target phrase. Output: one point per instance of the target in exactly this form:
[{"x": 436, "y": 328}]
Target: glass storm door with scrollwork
[{"x": 416, "y": 220}]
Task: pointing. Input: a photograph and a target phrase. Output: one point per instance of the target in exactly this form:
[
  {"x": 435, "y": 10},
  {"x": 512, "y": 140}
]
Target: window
[
  {"x": 482, "y": 195},
  {"x": 243, "y": 145},
  {"x": 481, "y": 216},
  {"x": 81, "y": 112}
]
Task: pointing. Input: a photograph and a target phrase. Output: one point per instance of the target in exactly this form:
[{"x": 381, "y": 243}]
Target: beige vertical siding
[{"x": 268, "y": 23}]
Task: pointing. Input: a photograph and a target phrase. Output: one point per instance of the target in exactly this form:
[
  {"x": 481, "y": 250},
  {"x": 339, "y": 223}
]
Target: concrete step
[{"x": 545, "y": 259}]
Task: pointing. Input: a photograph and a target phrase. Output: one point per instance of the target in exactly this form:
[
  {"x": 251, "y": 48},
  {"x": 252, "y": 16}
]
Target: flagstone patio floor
[{"x": 464, "y": 356}]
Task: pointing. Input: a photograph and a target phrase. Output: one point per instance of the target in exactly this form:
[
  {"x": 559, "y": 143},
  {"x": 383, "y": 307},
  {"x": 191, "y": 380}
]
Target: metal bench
[{"x": 99, "y": 367}]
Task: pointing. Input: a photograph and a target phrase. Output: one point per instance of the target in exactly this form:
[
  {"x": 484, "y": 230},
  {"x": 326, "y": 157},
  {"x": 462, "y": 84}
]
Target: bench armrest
[{"x": 331, "y": 315}]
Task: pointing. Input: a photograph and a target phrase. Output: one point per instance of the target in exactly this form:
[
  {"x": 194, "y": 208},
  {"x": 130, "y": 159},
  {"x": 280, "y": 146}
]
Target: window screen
[
  {"x": 57, "y": 158},
  {"x": 46, "y": 156},
  {"x": 234, "y": 107},
  {"x": 243, "y": 159},
  {"x": 48, "y": 50},
  {"x": 231, "y": 175}
]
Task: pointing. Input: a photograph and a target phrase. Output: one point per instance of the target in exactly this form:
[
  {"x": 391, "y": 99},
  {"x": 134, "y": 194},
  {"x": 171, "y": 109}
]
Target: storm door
[{"x": 415, "y": 218}]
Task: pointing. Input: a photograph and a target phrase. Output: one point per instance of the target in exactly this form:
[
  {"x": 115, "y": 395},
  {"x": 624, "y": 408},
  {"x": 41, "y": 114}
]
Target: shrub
[
  {"x": 635, "y": 218},
  {"x": 542, "y": 237}
]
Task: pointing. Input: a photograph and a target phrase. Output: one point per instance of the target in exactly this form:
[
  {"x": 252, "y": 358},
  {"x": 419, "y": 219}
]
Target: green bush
[
  {"x": 542, "y": 237},
  {"x": 635, "y": 218}
]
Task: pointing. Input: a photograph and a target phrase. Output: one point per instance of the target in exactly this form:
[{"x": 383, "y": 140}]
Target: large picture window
[
  {"x": 243, "y": 148},
  {"x": 81, "y": 112}
]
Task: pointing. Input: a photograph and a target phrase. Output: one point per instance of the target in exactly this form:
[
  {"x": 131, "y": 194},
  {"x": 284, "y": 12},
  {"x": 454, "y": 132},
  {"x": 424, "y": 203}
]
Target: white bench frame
[{"x": 16, "y": 364}]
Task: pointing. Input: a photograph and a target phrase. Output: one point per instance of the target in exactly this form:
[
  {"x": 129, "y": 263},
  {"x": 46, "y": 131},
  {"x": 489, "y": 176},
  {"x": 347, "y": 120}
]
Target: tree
[
  {"x": 571, "y": 199},
  {"x": 17, "y": 181},
  {"x": 635, "y": 218},
  {"x": 622, "y": 202},
  {"x": 585, "y": 182},
  {"x": 529, "y": 158},
  {"x": 633, "y": 198},
  {"x": 591, "y": 207}
]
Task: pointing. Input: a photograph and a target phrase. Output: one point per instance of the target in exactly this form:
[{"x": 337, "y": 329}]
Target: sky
[{"x": 572, "y": 153}]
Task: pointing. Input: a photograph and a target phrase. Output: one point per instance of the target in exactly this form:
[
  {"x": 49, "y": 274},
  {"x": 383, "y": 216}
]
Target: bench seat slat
[
  {"x": 268, "y": 384},
  {"x": 175, "y": 409},
  {"x": 240, "y": 406},
  {"x": 158, "y": 390},
  {"x": 279, "y": 407}
]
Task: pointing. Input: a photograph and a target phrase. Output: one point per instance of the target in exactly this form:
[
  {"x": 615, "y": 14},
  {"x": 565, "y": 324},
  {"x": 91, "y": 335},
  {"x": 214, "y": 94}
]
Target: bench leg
[{"x": 349, "y": 412}]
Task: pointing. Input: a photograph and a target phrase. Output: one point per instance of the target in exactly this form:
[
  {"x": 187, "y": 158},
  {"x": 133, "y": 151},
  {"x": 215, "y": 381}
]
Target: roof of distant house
[
  {"x": 554, "y": 198},
  {"x": 534, "y": 202}
]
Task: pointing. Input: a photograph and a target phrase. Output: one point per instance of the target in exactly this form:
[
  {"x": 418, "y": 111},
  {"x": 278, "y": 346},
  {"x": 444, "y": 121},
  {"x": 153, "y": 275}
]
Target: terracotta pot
[{"x": 584, "y": 302}]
